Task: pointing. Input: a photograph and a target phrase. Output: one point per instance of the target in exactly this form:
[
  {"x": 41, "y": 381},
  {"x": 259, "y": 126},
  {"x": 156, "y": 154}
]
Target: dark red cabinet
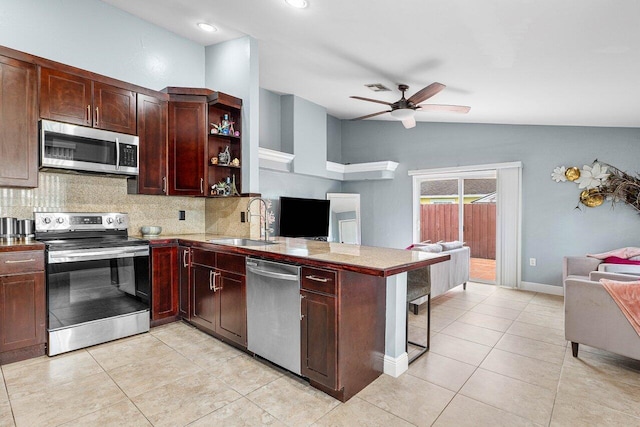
[
  {"x": 218, "y": 294},
  {"x": 73, "y": 99},
  {"x": 187, "y": 137},
  {"x": 152, "y": 131},
  {"x": 22, "y": 305},
  {"x": 318, "y": 338},
  {"x": 18, "y": 124},
  {"x": 164, "y": 283},
  {"x": 184, "y": 274}
]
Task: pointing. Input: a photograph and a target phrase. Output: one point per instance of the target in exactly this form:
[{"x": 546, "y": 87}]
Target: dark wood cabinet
[
  {"x": 114, "y": 108},
  {"x": 218, "y": 299},
  {"x": 22, "y": 305},
  {"x": 164, "y": 283},
  {"x": 187, "y": 136},
  {"x": 184, "y": 262},
  {"x": 341, "y": 357},
  {"x": 18, "y": 124},
  {"x": 152, "y": 131},
  {"x": 318, "y": 338},
  {"x": 78, "y": 100}
]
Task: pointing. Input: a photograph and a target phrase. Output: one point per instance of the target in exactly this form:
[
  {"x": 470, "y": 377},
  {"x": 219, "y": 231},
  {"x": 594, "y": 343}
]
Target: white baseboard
[
  {"x": 542, "y": 288},
  {"x": 396, "y": 366}
]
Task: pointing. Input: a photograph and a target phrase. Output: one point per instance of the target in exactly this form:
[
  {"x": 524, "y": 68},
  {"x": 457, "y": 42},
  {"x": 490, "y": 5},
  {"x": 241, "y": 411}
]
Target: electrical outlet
[
  {"x": 243, "y": 216},
  {"x": 181, "y": 215},
  {"x": 532, "y": 262}
]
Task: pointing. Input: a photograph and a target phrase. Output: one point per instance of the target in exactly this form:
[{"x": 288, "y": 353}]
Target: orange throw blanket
[{"x": 627, "y": 296}]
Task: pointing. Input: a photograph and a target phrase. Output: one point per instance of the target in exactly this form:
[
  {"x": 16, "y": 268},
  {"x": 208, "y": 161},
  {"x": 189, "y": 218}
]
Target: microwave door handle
[{"x": 117, "y": 153}]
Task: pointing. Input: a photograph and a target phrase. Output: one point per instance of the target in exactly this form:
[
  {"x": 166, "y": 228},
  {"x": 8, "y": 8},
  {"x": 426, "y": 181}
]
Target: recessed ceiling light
[
  {"x": 300, "y": 4},
  {"x": 207, "y": 27}
]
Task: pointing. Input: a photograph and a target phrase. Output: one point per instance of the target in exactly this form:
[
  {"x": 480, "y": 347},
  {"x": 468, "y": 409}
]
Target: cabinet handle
[
  {"x": 88, "y": 113},
  {"x": 164, "y": 184},
  {"x": 212, "y": 281},
  {"x": 18, "y": 261},
  {"x": 301, "y": 315},
  {"x": 215, "y": 275},
  {"x": 97, "y": 116},
  {"x": 201, "y": 185},
  {"x": 184, "y": 259},
  {"x": 317, "y": 279}
]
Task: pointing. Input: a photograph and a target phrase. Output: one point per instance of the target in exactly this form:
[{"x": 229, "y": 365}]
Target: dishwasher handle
[{"x": 273, "y": 274}]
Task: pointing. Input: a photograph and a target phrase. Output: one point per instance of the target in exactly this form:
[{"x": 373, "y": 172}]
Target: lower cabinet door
[
  {"x": 203, "y": 307},
  {"x": 232, "y": 307},
  {"x": 184, "y": 255},
  {"x": 319, "y": 338},
  {"x": 22, "y": 311},
  {"x": 164, "y": 287}
]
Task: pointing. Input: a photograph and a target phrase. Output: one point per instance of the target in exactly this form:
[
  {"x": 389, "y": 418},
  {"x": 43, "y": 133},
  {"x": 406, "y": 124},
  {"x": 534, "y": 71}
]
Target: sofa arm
[
  {"x": 595, "y": 276},
  {"x": 579, "y": 266}
]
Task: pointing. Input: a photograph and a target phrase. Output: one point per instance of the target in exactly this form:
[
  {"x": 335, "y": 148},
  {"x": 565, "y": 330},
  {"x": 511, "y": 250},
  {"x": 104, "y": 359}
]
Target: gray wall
[
  {"x": 95, "y": 36},
  {"x": 551, "y": 227},
  {"x": 270, "y": 116},
  {"x": 334, "y": 139}
]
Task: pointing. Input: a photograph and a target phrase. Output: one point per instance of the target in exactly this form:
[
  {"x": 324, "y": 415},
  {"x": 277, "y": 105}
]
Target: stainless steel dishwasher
[{"x": 273, "y": 312}]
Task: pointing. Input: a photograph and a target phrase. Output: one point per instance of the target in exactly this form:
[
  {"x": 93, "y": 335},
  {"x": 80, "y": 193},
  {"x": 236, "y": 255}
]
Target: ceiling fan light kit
[
  {"x": 298, "y": 4},
  {"x": 404, "y": 109}
]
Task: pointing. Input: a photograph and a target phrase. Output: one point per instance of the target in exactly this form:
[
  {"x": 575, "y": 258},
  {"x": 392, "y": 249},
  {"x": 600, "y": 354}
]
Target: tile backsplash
[{"x": 89, "y": 193}]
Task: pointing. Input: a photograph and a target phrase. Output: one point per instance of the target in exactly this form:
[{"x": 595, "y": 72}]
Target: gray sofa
[
  {"x": 591, "y": 316},
  {"x": 448, "y": 274}
]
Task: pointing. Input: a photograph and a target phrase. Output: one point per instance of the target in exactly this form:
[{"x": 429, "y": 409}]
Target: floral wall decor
[{"x": 601, "y": 181}]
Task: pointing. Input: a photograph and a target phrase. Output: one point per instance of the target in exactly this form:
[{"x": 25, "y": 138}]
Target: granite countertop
[
  {"x": 364, "y": 259},
  {"x": 22, "y": 244}
]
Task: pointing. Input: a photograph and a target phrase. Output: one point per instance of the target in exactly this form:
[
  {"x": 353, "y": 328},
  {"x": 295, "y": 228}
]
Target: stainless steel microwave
[{"x": 80, "y": 148}]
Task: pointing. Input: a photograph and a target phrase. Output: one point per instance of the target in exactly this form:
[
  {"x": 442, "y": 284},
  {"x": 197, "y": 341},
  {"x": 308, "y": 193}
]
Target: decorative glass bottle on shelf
[{"x": 225, "y": 125}]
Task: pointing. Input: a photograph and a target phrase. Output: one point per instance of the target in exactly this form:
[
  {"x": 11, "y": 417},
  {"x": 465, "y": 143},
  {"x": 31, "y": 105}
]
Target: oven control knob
[
  {"x": 60, "y": 220},
  {"x": 109, "y": 220},
  {"x": 120, "y": 220},
  {"x": 46, "y": 220}
]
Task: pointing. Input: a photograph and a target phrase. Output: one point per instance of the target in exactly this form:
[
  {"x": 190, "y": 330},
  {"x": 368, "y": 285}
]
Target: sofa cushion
[
  {"x": 447, "y": 246},
  {"x": 432, "y": 247},
  {"x": 617, "y": 260}
]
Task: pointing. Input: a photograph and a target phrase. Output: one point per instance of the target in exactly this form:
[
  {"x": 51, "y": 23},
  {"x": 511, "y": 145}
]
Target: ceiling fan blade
[
  {"x": 371, "y": 100},
  {"x": 441, "y": 107},
  {"x": 426, "y": 93},
  {"x": 409, "y": 123},
  {"x": 371, "y": 115}
]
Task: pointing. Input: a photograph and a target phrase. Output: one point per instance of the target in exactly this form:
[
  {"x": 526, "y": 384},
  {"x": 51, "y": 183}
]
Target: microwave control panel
[{"x": 128, "y": 155}]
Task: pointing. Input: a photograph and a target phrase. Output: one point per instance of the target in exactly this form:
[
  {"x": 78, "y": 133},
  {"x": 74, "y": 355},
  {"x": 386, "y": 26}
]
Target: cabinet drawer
[
  {"x": 21, "y": 262},
  {"x": 231, "y": 263},
  {"x": 202, "y": 257},
  {"x": 319, "y": 280}
]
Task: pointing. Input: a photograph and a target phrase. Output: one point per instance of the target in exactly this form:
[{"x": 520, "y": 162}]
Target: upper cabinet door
[
  {"x": 114, "y": 108},
  {"x": 152, "y": 130},
  {"x": 65, "y": 97},
  {"x": 18, "y": 124},
  {"x": 187, "y": 135}
]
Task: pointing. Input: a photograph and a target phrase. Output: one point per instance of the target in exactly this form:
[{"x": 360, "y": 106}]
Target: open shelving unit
[{"x": 220, "y": 104}]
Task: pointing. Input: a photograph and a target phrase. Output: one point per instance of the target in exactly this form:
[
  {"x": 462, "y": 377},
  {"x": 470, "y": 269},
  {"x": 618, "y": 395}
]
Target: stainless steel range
[{"x": 97, "y": 279}]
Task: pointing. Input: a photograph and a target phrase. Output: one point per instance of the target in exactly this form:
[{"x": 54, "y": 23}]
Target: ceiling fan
[{"x": 404, "y": 109}]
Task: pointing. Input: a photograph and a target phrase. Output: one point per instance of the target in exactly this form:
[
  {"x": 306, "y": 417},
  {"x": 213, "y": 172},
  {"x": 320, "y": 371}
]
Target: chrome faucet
[{"x": 263, "y": 218}]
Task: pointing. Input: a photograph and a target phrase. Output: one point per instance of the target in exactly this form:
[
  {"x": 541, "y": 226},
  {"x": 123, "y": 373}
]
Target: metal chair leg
[{"x": 423, "y": 348}]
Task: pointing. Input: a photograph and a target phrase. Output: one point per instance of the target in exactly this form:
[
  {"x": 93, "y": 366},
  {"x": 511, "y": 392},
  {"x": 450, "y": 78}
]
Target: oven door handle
[{"x": 92, "y": 255}]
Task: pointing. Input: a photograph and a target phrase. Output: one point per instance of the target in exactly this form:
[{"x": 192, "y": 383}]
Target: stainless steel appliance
[
  {"x": 273, "y": 312},
  {"x": 26, "y": 228},
  {"x": 8, "y": 227},
  {"x": 80, "y": 148},
  {"x": 97, "y": 279}
]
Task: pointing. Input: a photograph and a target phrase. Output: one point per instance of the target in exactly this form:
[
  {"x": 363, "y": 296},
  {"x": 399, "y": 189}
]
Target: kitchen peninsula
[{"x": 353, "y": 315}]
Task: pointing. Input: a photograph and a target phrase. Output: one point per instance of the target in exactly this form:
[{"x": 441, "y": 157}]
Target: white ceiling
[{"x": 553, "y": 62}]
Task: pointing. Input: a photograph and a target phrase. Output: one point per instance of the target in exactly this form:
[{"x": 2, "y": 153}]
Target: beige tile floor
[{"x": 498, "y": 358}]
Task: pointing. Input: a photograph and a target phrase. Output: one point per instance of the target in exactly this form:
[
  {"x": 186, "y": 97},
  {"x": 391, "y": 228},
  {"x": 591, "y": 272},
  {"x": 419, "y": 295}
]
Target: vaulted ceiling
[{"x": 568, "y": 62}]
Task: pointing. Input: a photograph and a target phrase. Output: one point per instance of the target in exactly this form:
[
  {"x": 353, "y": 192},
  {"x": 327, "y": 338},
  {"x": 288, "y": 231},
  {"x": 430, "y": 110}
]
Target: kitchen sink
[{"x": 241, "y": 242}]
